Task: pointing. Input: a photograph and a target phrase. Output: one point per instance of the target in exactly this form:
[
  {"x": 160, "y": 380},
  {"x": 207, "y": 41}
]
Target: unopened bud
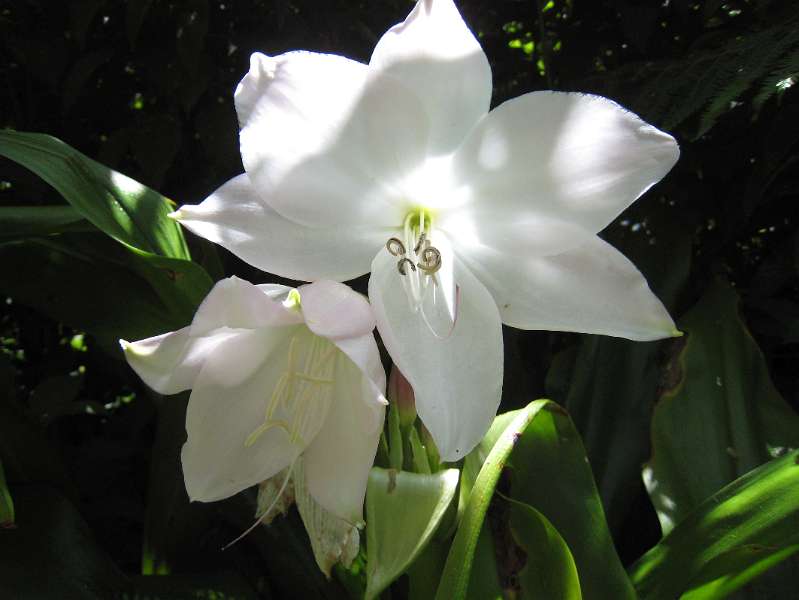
[{"x": 400, "y": 394}]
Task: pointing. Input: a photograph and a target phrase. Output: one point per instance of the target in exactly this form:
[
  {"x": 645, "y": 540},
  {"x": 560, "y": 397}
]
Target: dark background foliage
[{"x": 145, "y": 86}]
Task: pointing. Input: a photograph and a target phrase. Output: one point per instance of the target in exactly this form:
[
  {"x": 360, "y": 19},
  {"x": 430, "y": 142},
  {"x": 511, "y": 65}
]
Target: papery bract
[
  {"x": 466, "y": 218},
  {"x": 276, "y": 374}
]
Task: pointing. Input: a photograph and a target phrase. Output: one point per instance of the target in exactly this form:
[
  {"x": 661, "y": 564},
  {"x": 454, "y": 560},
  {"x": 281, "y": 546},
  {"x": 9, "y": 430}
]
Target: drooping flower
[
  {"x": 466, "y": 218},
  {"x": 277, "y": 375}
]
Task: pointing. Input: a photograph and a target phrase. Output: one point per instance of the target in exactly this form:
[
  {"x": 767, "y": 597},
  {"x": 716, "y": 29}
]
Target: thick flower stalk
[
  {"x": 466, "y": 218},
  {"x": 277, "y": 375}
]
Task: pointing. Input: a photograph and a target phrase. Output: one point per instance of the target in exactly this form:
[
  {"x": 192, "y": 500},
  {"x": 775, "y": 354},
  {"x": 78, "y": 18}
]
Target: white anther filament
[{"x": 295, "y": 388}]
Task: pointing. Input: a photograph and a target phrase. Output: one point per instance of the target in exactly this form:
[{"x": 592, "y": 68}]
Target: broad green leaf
[
  {"x": 121, "y": 207},
  {"x": 730, "y": 538},
  {"x": 548, "y": 470},
  {"x": 25, "y": 221},
  {"x": 101, "y": 287},
  {"x": 6, "y": 503},
  {"x": 550, "y": 571},
  {"x": 51, "y": 553},
  {"x": 403, "y": 510},
  {"x": 723, "y": 417}
]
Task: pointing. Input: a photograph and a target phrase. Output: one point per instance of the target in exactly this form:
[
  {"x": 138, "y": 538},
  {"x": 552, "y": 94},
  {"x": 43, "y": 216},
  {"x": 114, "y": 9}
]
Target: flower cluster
[{"x": 466, "y": 218}]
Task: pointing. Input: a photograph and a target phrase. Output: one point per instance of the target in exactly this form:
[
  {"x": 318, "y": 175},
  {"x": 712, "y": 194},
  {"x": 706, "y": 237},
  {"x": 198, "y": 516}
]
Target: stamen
[
  {"x": 295, "y": 389},
  {"x": 401, "y": 265},
  {"x": 395, "y": 247},
  {"x": 430, "y": 260}
]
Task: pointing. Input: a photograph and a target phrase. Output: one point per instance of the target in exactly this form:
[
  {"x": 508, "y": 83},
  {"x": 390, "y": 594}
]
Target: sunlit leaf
[
  {"x": 730, "y": 538},
  {"x": 547, "y": 469},
  {"x": 123, "y": 208},
  {"x": 403, "y": 510},
  {"x": 723, "y": 417}
]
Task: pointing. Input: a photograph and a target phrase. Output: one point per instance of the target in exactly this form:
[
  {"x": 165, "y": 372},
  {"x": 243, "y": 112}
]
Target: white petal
[
  {"x": 333, "y": 539},
  {"x": 434, "y": 53},
  {"x": 238, "y": 304},
  {"x": 335, "y": 311},
  {"x": 513, "y": 231},
  {"x": 337, "y": 462},
  {"x": 364, "y": 353},
  {"x": 223, "y": 455},
  {"x": 457, "y": 380},
  {"x": 169, "y": 363},
  {"x": 323, "y": 141},
  {"x": 236, "y": 217},
  {"x": 590, "y": 289},
  {"x": 574, "y": 158}
]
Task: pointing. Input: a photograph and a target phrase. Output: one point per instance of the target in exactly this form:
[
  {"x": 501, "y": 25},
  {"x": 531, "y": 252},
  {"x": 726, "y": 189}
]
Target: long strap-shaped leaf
[
  {"x": 732, "y": 537},
  {"x": 123, "y": 208},
  {"x": 549, "y": 473}
]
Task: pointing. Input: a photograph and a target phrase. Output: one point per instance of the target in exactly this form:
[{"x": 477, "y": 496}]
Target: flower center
[
  {"x": 290, "y": 406},
  {"x": 430, "y": 289}
]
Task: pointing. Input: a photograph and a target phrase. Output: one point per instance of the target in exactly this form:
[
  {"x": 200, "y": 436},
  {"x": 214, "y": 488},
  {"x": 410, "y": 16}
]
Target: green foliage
[
  {"x": 723, "y": 416},
  {"x": 717, "y": 74},
  {"x": 403, "y": 511},
  {"x": 6, "y": 502},
  {"x": 539, "y": 444},
  {"x": 733, "y": 536}
]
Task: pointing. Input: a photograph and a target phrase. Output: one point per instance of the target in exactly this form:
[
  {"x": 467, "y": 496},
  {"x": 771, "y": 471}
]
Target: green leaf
[
  {"x": 548, "y": 470},
  {"x": 101, "y": 287},
  {"x": 403, "y": 510},
  {"x": 730, "y": 538},
  {"x": 724, "y": 416},
  {"x": 484, "y": 581},
  {"x": 551, "y": 573},
  {"x": 52, "y": 553},
  {"x": 6, "y": 503},
  {"x": 25, "y": 221},
  {"x": 123, "y": 208}
]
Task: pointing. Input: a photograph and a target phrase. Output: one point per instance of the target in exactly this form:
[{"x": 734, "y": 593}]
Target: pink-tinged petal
[
  {"x": 238, "y": 304},
  {"x": 590, "y": 289},
  {"x": 572, "y": 158},
  {"x": 338, "y": 461},
  {"x": 335, "y": 311},
  {"x": 457, "y": 380},
  {"x": 235, "y": 217},
  {"x": 434, "y": 54},
  {"x": 325, "y": 142},
  {"x": 169, "y": 363},
  {"x": 229, "y": 448}
]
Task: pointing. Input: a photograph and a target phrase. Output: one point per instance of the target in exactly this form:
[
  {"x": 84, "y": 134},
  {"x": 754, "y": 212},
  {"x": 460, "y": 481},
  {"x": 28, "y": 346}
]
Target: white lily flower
[
  {"x": 276, "y": 374},
  {"x": 466, "y": 218}
]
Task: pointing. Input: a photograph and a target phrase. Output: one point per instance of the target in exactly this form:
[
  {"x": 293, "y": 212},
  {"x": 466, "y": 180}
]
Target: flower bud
[{"x": 400, "y": 393}]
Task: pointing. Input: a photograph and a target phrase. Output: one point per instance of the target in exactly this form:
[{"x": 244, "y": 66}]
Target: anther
[
  {"x": 395, "y": 247},
  {"x": 401, "y": 265},
  {"x": 422, "y": 243},
  {"x": 430, "y": 260}
]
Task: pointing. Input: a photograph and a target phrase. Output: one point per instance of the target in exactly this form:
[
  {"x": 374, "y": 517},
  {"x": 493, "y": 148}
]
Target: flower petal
[
  {"x": 511, "y": 230},
  {"x": 335, "y": 311},
  {"x": 434, "y": 53},
  {"x": 575, "y": 158},
  {"x": 457, "y": 380},
  {"x": 169, "y": 363},
  {"x": 236, "y": 217},
  {"x": 338, "y": 461},
  {"x": 590, "y": 289},
  {"x": 323, "y": 141},
  {"x": 229, "y": 448},
  {"x": 238, "y": 304}
]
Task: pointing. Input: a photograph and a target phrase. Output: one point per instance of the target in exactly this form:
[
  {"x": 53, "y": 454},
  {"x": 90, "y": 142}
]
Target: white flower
[
  {"x": 275, "y": 374},
  {"x": 466, "y": 218}
]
